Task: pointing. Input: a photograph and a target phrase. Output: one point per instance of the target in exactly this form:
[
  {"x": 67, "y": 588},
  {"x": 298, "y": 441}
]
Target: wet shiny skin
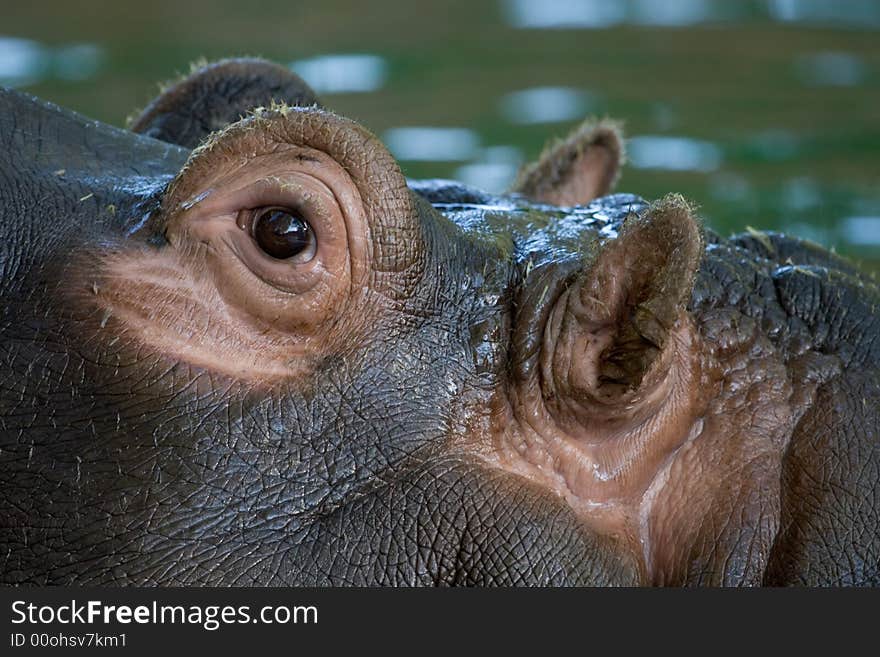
[{"x": 598, "y": 394}]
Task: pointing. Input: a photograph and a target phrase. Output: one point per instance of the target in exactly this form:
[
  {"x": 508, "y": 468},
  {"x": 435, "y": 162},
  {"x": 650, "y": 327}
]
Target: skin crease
[{"x": 452, "y": 388}]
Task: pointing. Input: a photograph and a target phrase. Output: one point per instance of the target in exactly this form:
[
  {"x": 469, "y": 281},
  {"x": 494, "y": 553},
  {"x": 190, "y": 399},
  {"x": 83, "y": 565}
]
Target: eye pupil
[{"x": 282, "y": 234}]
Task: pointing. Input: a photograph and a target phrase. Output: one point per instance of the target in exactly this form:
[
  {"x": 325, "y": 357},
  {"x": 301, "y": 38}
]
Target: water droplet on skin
[
  {"x": 608, "y": 231},
  {"x": 140, "y": 224},
  {"x": 194, "y": 201}
]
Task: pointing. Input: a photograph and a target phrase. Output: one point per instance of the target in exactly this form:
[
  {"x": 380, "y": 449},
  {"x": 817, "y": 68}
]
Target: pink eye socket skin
[
  {"x": 289, "y": 236},
  {"x": 283, "y": 238}
]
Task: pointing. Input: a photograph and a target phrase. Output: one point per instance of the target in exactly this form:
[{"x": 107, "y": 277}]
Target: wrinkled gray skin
[{"x": 116, "y": 469}]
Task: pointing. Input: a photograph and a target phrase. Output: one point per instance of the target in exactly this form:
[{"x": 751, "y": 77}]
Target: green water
[{"x": 780, "y": 99}]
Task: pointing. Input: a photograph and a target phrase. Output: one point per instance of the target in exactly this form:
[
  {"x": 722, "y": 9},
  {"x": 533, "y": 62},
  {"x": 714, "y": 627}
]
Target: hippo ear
[
  {"x": 612, "y": 328},
  {"x": 215, "y": 95},
  {"x": 577, "y": 169}
]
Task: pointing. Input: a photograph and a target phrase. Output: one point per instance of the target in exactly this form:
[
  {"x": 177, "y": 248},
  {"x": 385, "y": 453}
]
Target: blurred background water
[{"x": 766, "y": 113}]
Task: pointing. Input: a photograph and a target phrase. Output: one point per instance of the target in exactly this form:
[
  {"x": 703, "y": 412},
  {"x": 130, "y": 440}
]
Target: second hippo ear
[
  {"x": 215, "y": 95},
  {"x": 574, "y": 171}
]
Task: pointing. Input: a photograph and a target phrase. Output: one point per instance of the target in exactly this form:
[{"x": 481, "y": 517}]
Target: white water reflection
[
  {"x": 564, "y": 13},
  {"x": 597, "y": 14},
  {"x": 839, "y": 69},
  {"x": 494, "y": 171},
  {"x": 24, "y": 62},
  {"x": 341, "y": 73},
  {"x": 673, "y": 13},
  {"x": 546, "y": 105},
  {"x": 848, "y": 13},
  {"x": 673, "y": 153},
  {"x": 492, "y": 178},
  {"x": 862, "y": 230},
  {"x": 432, "y": 144}
]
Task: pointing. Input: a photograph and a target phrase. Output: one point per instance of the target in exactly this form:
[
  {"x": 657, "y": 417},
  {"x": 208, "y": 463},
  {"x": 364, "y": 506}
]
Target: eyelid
[
  {"x": 272, "y": 192},
  {"x": 245, "y": 217}
]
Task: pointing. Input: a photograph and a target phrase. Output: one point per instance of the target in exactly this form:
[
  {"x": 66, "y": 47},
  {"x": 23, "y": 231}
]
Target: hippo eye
[{"x": 283, "y": 234}]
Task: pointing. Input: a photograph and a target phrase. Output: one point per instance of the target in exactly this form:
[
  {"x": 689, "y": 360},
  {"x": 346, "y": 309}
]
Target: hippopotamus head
[{"x": 273, "y": 359}]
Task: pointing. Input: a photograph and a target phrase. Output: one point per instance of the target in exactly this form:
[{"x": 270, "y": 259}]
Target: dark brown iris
[{"x": 282, "y": 233}]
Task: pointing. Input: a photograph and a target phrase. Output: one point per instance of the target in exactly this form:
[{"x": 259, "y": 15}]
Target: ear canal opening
[
  {"x": 621, "y": 310},
  {"x": 623, "y": 365}
]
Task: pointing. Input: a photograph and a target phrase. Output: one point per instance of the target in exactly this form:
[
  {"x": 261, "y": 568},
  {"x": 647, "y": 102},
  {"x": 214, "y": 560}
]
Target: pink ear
[
  {"x": 576, "y": 170},
  {"x": 613, "y": 385},
  {"x": 621, "y": 308}
]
